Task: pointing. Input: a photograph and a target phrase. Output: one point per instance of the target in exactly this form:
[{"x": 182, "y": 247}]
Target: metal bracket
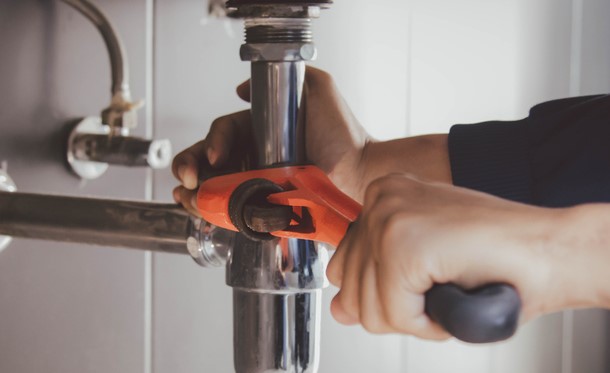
[
  {"x": 6, "y": 185},
  {"x": 92, "y": 146}
]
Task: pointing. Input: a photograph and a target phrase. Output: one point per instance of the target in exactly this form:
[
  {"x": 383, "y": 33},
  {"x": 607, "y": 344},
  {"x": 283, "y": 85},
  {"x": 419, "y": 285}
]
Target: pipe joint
[{"x": 209, "y": 245}]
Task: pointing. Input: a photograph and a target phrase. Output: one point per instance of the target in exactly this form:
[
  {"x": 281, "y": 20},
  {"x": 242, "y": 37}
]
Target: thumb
[{"x": 243, "y": 91}]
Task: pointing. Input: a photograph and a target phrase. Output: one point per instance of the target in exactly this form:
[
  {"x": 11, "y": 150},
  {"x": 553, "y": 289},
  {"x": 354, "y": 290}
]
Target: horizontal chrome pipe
[{"x": 115, "y": 223}]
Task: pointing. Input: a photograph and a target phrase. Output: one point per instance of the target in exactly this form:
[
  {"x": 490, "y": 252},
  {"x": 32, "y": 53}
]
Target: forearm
[{"x": 581, "y": 253}]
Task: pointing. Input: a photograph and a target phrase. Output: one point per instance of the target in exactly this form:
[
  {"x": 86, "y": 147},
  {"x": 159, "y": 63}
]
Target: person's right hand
[
  {"x": 413, "y": 234},
  {"x": 334, "y": 141}
]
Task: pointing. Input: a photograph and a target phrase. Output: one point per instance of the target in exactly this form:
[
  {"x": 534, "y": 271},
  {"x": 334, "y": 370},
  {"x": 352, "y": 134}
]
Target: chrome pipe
[
  {"x": 115, "y": 223},
  {"x": 276, "y": 304},
  {"x": 121, "y": 113},
  {"x": 116, "y": 51},
  {"x": 282, "y": 335},
  {"x": 276, "y": 96},
  {"x": 277, "y": 283}
]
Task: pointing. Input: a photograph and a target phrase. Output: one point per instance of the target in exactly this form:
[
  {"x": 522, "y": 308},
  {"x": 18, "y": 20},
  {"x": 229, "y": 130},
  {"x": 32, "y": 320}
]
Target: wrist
[
  {"x": 426, "y": 157},
  {"x": 581, "y": 255}
]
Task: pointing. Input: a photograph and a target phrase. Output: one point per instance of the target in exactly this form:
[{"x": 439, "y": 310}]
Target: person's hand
[
  {"x": 412, "y": 234},
  {"x": 335, "y": 142}
]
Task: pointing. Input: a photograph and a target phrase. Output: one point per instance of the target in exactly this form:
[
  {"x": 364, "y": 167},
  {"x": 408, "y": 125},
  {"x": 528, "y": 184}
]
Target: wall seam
[
  {"x": 567, "y": 337},
  {"x": 149, "y": 192},
  {"x": 408, "y": 93},
  {"x": 404, "y": 341},
  {"x": 576, "y": 47}
]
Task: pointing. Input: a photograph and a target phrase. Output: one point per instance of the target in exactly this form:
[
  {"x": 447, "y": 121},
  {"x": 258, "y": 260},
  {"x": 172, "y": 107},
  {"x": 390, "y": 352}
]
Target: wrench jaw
[
  {"x": 252, "y": 215},
  {"x": 287, "y": 202}
]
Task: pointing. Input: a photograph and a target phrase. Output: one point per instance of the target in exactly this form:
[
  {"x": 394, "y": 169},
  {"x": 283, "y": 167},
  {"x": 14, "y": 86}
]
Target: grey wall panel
[{"x": 65, "y": 307}]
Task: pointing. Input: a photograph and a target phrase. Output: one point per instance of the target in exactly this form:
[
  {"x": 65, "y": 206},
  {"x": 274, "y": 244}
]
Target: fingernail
[
  {"x": 212, "y": 156},
  {"x": 181, "y": 171}
]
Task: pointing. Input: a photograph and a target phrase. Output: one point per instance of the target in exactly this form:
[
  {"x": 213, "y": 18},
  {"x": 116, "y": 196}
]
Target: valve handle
[{"x": 486, "y": 314}]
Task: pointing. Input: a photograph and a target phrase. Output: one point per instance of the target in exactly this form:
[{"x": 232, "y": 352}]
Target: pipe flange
[
  {"x": 278, "y": 52},
  {"x": 276, "y": 8},
  {"x": 207, "y": 244},
  {"x": 88, "y": 170},
  {"x": 238, "y": 3},
  {"x": 6, "y": 185}
]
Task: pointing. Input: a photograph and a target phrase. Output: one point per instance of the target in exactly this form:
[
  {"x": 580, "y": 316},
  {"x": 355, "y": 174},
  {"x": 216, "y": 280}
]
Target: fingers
[
  {"x": 228, "y": 134},
  {"x": 243, "y": 91},
  {"x": 343, "y": 304},
  {"x": 377, "y": 288},
  {"x": 187, "y": 198},
  {"x": 226, "y": 145},
  {"x": 372, "y": 317},
  {"x": 334, "y": 272},
  {"x": 339, "y": 313},
  {"x": 374, "y": 294},
  {"x": 186, "y": 165},
  {"x": 402, "y": 301},
  {"x": 353, "y": 263}
]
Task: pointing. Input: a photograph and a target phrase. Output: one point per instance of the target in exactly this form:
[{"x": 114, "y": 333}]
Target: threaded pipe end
[{"x": 278, "y": 30}]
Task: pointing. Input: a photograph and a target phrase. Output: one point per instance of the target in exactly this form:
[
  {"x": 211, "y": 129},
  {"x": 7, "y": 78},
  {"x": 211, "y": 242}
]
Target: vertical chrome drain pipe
[{"x": 277, "y": 284}]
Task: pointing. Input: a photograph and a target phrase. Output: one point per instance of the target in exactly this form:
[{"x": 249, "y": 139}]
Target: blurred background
[{"x": 405, "y": 67}]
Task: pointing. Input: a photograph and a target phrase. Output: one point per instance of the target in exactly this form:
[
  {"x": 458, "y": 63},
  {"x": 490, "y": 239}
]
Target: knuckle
[
  {"x": 397, "y": 321},
  {"x": 319, "y": 76},
  {"x": 390, "y": 201},
  {"x": 394, "y": 230},
  {"x": 179, "y": 158},
  {"x": 349, "y": 305},
  {"x": 216, "y": 124},
  {"x": 372, "y": 325},
  {"x": 333, "y": 273},
  {"x": 374, "y": 190}
]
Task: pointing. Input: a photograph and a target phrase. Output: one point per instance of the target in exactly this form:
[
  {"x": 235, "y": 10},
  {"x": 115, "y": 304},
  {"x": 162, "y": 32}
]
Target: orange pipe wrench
[{"x": 292, "y": 202}]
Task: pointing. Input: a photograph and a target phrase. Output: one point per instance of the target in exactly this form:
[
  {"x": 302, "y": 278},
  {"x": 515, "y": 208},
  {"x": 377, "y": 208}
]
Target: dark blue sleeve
[{"x": 558, "y": 156}]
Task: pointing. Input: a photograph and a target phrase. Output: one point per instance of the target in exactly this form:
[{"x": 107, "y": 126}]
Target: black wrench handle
[{"x": 486, "y": 314}]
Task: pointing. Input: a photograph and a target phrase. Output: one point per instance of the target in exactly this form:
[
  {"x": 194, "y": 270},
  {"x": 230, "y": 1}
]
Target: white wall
[{"x": 405, "y": 67}]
